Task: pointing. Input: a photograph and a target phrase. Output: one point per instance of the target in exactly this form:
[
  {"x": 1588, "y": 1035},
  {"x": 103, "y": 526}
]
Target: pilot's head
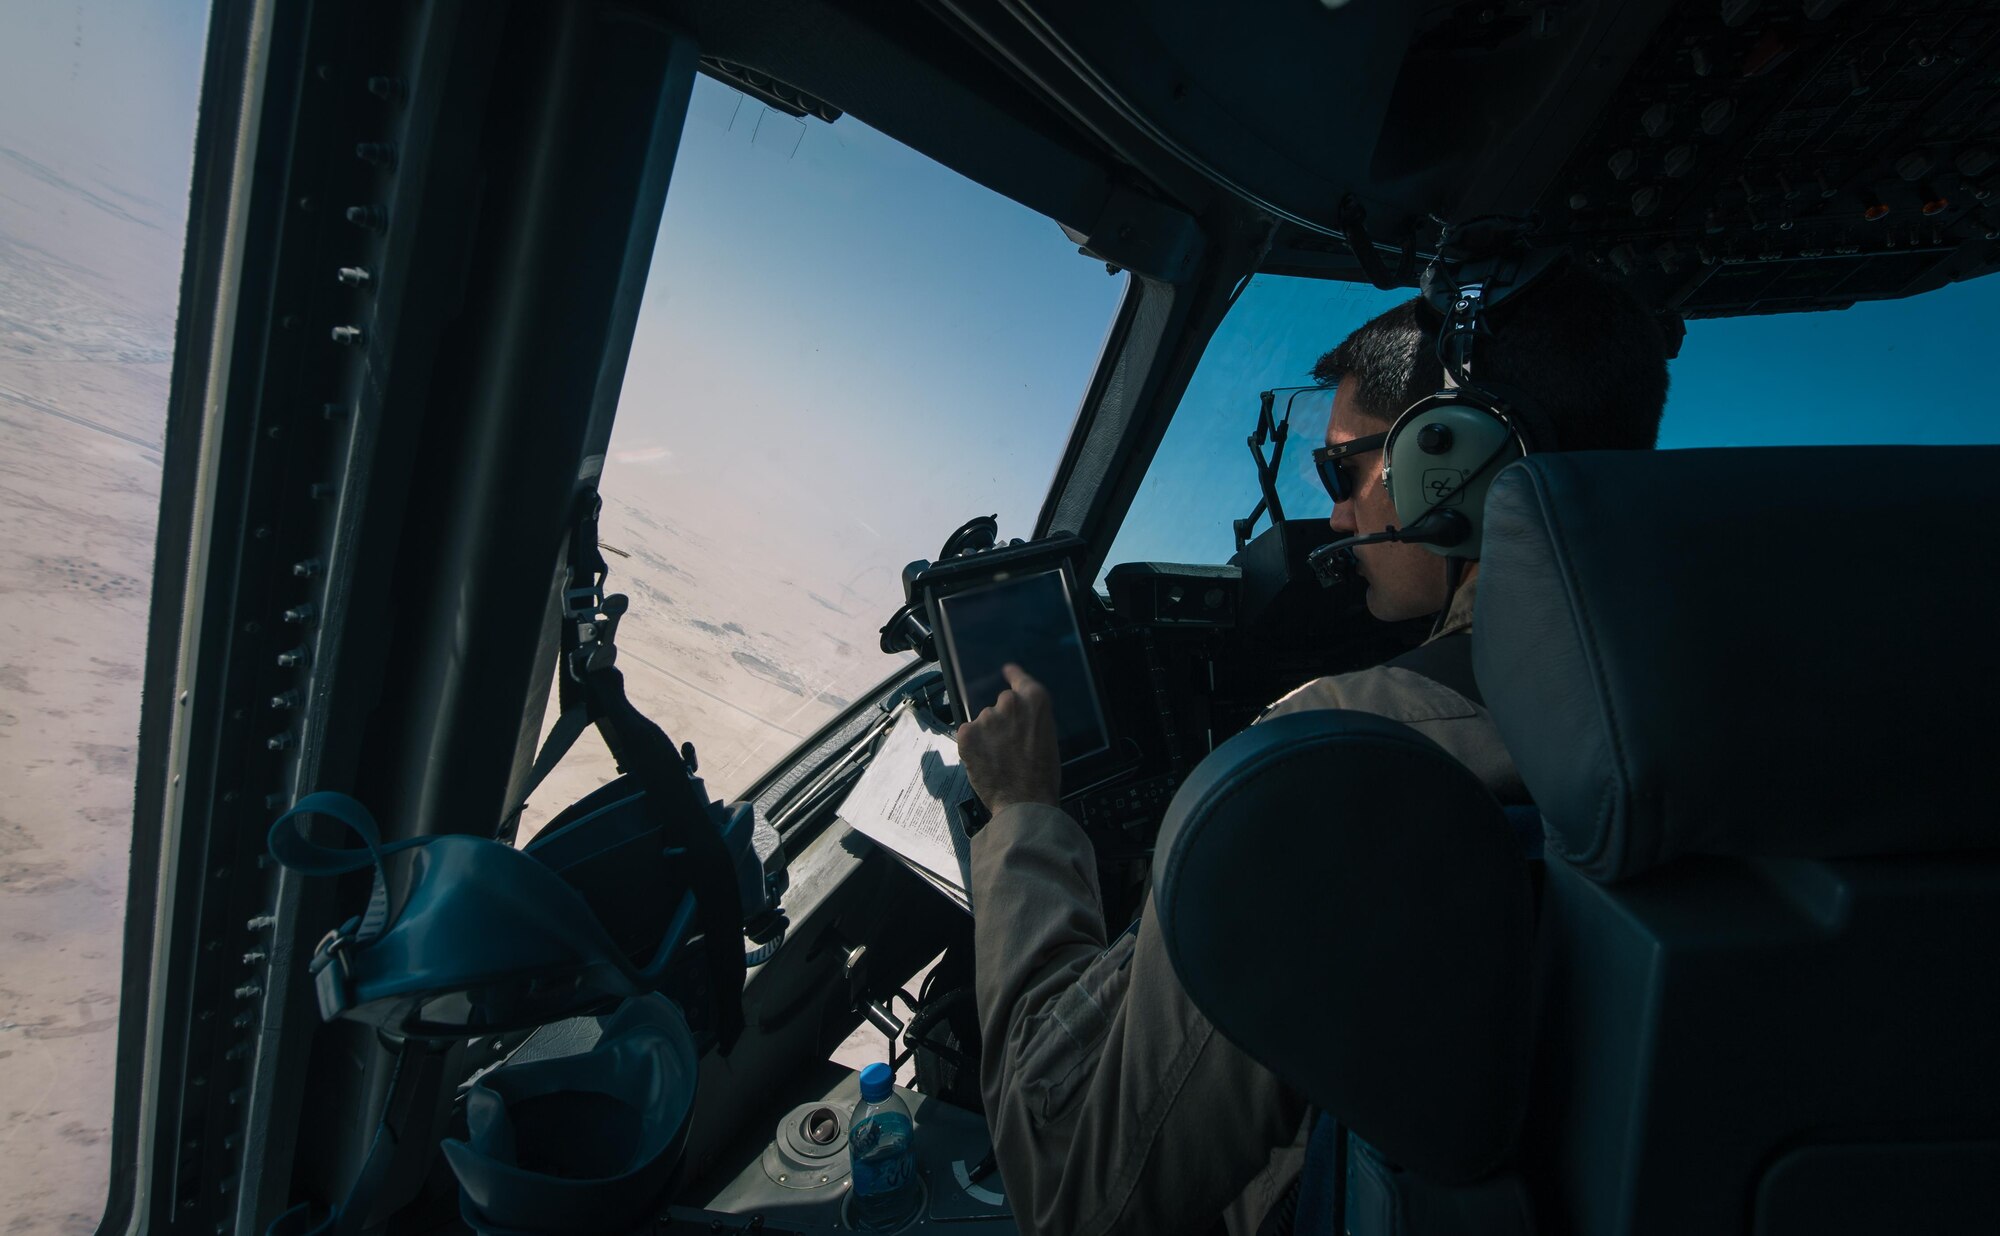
[{"x": 1583, "y": 348}]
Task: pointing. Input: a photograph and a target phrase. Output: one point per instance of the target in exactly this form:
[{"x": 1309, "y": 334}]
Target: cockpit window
[
  {"x": 845, "y": 351},
  {"x": 1890, "y": 372},
  {"x": 97, "y": 119},
  {"x": 1203, "y": 478},
  {"x": 1893, "y": 372}
]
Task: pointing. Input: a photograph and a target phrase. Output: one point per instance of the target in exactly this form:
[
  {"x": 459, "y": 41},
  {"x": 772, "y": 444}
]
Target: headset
[{"x": 1440, "y": 456}]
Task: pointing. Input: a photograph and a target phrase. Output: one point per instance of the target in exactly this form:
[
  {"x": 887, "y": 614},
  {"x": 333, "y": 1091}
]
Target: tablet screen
[{"x": 1030, "y": 622}]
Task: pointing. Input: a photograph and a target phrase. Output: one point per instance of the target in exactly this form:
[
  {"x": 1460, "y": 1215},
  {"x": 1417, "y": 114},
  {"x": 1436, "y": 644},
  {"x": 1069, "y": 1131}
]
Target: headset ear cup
[
  {"x": 1391, "y": 446},
  {"x": 1442, "y": 454}
]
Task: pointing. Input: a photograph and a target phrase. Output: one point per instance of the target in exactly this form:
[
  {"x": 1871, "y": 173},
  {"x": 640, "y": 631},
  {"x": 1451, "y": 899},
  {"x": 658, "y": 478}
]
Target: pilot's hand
[{"x": 1009, "y": 750}]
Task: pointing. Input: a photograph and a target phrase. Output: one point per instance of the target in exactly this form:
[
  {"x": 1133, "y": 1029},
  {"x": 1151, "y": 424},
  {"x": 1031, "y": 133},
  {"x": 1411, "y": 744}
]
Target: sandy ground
[
  {"x": 87, "y": 275},
  {"x": 742, "y": 659}
]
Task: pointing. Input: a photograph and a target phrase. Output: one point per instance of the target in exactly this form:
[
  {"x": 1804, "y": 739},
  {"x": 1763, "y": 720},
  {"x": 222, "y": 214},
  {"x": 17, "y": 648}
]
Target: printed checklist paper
[{"x": 908, "y": 803}]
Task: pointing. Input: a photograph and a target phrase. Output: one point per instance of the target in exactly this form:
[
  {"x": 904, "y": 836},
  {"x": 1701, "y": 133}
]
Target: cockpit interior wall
[
  {"x": 417, "y": 244},
  {"x": 452, "y": 210}
]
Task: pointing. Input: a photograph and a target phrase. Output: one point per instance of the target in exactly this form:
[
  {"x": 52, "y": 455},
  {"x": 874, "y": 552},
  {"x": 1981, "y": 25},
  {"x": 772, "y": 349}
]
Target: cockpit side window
[
  {"x": 846, "y": 350},
  {"x": 97, "y": 125},
  {"x": 1203, "y": 479},
  {"x": 1888, "y": 372}
]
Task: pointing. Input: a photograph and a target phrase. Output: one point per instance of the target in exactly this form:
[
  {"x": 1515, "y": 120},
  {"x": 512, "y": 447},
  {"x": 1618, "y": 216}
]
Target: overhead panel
[
  {"x": 1308, "y": 109},
  {"x": 1788, "y": 156}
]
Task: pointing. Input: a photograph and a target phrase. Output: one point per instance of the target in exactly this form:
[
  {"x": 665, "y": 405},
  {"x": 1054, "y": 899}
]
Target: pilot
[{"x": 1114, "y": 1104}]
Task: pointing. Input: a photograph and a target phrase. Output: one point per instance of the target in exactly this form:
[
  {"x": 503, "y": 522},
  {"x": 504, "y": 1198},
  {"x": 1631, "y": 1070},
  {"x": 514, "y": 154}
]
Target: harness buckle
[
  {"x": 581, "y": 606},
  {"x": 593, "y": 655},
  {"x": 596, "y": 630},
  {"x": 332, "y": 972}
]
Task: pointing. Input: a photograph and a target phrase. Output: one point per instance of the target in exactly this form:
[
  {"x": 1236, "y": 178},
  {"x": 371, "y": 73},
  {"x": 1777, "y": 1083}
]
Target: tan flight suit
[{"x": 1114, "y": 1104}]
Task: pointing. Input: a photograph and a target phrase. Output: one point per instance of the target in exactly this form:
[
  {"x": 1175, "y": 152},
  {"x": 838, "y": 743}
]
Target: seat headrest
[
  {"x": 1347, "y": 904},
  {"x": 1745, "y": 651}
]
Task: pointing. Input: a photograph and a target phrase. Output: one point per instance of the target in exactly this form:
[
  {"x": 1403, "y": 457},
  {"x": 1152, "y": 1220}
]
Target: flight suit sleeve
[{"x": 1114, "y": 1105}]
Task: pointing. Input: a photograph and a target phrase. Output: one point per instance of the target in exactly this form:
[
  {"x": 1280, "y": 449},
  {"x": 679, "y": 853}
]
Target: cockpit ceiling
[
  {"x": 1731, "y": 156},
  {"x": 1795, "y": 162},
  {"x": 1728, "y": 156}
]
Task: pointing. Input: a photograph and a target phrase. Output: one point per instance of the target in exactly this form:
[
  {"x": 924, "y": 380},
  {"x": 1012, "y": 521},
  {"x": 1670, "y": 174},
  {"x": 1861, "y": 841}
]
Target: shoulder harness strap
[{"x": 1446, "y": 661}]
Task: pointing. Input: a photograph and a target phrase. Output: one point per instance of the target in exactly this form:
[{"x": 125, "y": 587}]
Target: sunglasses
[{"x": 1331, "y": 461}]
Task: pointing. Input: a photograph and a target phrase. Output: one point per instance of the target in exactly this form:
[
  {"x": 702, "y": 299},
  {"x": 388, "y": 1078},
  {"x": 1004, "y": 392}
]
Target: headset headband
[{"x": 1522, "y": 414}]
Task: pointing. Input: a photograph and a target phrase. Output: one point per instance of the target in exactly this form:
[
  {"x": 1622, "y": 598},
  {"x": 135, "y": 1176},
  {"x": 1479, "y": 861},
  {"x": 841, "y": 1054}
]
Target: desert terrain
[
  {"x": 88, "y": 272},
  {"x": 723, "y": 646}
]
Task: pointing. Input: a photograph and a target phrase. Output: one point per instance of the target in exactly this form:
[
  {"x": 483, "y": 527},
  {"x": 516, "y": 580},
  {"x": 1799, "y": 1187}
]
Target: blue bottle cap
[{"x": 876, "y": 1082}]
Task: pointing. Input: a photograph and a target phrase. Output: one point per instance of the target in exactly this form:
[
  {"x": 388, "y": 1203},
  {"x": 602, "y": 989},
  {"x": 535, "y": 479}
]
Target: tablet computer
[{"x": 1028, "y": 618}]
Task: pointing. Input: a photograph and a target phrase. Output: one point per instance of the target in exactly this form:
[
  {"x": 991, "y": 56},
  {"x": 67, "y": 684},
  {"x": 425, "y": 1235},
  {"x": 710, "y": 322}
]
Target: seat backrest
[
  {"x": 1348, "y": 904},
  {"x": 1749, "y": 690}
]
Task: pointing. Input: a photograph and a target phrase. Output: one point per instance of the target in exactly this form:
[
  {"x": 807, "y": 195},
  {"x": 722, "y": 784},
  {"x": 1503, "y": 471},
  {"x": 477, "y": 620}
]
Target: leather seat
[
  {"x": 1750, "y": 692},
  {"x": 1347, "y": 903}
]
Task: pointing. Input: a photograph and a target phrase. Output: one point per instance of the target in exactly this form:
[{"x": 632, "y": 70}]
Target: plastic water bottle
[{"x": 880, "y": 1141}]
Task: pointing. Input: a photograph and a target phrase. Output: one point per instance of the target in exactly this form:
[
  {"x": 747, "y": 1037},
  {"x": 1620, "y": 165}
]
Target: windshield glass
[
  {"x": 97, "y": 117},
  {"x": 1881, "y": 372},
  {"x": 1203, "y": 479},
  {"x": 845, "y": 352}
]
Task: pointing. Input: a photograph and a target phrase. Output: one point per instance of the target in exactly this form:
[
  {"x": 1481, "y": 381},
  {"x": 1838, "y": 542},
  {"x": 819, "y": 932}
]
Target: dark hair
[
  {"x": 1391, "y": 362},
  {"x": 1581, "y": 347}
]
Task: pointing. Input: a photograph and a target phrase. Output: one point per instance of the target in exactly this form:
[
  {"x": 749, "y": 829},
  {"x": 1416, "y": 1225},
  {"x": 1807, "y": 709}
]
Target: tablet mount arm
[{"x": 909, "y": 630}]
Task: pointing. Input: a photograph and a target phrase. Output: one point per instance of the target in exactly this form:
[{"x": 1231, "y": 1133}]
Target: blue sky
[
  {"x": 1881, "y": 372},
  {"x": 845, "y": 349},
  {"x": 1902, "y": 371}
]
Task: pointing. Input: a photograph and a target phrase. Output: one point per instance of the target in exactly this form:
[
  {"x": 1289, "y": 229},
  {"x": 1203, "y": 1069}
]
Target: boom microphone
[{"x": 1334, "y": 563}]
